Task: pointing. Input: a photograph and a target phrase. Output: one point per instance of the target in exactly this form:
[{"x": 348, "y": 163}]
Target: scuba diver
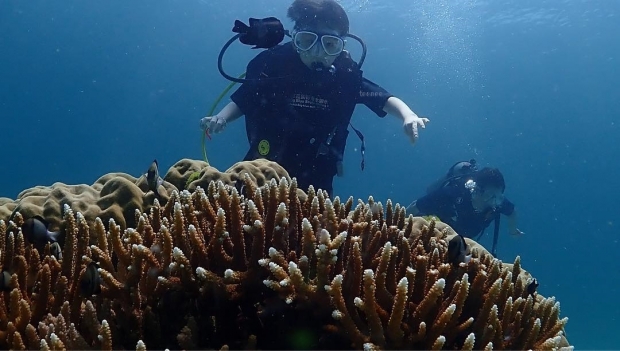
[
  {"x": 298, "y": 97},
  {"x": 468, "y": 200}
]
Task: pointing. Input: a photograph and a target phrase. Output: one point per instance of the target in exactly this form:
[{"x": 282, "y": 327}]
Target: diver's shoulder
[{"x": 278, "y": 52}]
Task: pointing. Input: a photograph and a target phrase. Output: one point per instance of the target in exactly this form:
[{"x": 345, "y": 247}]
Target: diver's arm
[
  {"x": 230, "y": 112},
  {"x": 512, "y": 224},
  {"x": 411, "y": 121},
  {"x": 217, "y": 123},
  {"x": 413, "y": 209}
]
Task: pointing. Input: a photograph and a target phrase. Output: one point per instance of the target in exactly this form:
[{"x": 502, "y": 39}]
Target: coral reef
[
  {"x": 264, "y": 268},
  {"x": 188, "y": 174},
  {"x": 118, "y": 195}
]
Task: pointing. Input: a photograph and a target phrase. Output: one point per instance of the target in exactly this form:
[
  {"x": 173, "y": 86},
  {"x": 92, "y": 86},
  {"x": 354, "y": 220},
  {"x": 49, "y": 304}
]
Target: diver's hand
[
  {"x": 411, "y": 124},
  {"x": 214, "y": 124},
  {"x": 516, "y": 232}
]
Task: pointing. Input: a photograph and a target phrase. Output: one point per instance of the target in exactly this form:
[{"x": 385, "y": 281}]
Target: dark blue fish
[
  {"x": 457, "y": 250},
  {"x": 35, "y": 229},
  {"x": 531, "y": 287},
  {"x": 90, "y": 284},
  {"x": 153, "y": 180},
  {"x": 5, "y": 279},
  {"x": 263, "y": 33}
]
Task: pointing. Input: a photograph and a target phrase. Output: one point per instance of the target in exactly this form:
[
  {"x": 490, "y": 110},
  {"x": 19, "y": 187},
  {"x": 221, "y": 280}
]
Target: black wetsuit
[
  {"x": 298, "y": 117},
  {"x": 452, "y": 204}
]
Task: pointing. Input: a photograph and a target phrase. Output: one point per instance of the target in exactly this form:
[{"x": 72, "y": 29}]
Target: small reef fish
[
  {"x": 90, "y": 284},
  {"x": 5, "y": 280},
  {"x": 532, "y": 286},
  {"x": 240, "y": 186},
  {"x": 457, "y": 250},
  {"x": 153, "y": 179},
  {"x": 56, "y": 251},
  {"x": 36, "y": 231}
]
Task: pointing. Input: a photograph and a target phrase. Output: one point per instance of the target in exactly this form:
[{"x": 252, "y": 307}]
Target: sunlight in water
[{"x": 443, "y": 41}]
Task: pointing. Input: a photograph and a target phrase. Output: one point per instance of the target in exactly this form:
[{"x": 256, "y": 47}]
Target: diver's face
[
  {"x": 321, "y": 49},
  {"x": 490, "y": 197}
]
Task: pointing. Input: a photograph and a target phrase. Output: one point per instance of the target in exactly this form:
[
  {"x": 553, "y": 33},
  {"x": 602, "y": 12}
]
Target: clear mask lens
[
  {"x": 492, "y": 199},
  {"x": 304, "y": 41},
  {"x": 496, "y": 200}
]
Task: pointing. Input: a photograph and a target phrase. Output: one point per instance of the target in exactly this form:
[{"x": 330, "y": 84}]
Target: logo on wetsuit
[
  {"x": 309, "y": 101},
  {"x": 263, "y": 147}
]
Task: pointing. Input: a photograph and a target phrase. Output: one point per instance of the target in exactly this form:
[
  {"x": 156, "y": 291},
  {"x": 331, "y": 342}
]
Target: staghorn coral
[
  {"x": 391, "y": 286},
  {"x": 216, "y": 269}
]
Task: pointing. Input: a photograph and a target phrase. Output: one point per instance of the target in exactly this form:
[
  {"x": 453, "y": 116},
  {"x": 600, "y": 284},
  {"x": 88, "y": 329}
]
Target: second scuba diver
[{"x": 468, "y": 200}]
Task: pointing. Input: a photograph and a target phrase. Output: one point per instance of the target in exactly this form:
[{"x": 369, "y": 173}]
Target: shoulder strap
[
  {"x": 363, "y": 147},
  {"x": 495, "y": 234}
]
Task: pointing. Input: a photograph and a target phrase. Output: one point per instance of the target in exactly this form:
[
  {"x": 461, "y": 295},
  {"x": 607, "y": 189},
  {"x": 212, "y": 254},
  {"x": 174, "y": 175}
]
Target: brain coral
[{"x": 119, "y": 195}]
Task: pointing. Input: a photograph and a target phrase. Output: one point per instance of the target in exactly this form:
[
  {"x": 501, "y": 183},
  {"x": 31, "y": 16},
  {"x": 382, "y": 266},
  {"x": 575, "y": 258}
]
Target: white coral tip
[
  {"x": 337, "y": 314},
  {"x": 358, "y": 302}
]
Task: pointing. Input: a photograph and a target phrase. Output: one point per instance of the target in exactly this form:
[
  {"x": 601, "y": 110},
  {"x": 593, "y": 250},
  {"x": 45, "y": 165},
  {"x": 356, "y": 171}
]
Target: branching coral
[
  {"x": 391, "y": 286},
  {"x": 216, "y": 269}
]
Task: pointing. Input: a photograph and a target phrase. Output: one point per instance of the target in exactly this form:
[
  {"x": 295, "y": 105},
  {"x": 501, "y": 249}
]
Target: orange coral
[{"x": 218, "y": 269}]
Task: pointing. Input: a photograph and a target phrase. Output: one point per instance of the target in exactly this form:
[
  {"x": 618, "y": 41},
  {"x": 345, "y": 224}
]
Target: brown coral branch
[{"x": 246, "y": 269}]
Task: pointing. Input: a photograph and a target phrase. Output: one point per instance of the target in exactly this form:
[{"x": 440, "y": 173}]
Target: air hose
[{"x": 211, "y": 111}]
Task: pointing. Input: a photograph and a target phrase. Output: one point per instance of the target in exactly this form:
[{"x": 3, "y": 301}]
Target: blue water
[{"x": 529, "y": 86}]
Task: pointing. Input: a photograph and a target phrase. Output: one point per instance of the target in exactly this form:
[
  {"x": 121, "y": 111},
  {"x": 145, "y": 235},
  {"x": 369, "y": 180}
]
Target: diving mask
[
  {"x": 305, "y": 40},
  {"x": 488, "y": 197},
  {"x": 494, "y": 200}
]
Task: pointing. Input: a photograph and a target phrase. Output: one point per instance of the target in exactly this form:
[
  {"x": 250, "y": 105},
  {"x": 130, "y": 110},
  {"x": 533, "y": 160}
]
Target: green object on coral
[
  {"x": 192, "y": 177},
  {"x": 432, "y": 218}
]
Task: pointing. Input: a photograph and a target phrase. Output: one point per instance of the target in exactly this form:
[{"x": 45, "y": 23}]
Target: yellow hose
[{"x": 217, "y": 101}]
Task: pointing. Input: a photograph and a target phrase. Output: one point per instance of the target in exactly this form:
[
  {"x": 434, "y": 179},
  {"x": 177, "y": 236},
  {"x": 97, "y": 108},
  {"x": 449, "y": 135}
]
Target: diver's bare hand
[
  {"x": 214, "y": 124},
  {"x": 411, "y": 125},
  {"x": 516, "y": 232}
]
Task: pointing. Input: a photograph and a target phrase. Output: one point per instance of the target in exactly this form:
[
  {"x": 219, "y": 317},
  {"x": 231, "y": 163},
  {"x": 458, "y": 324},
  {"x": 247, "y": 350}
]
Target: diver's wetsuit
[
  {"x": 452, "y": 204},
  {"x": 298, "y": 117}
]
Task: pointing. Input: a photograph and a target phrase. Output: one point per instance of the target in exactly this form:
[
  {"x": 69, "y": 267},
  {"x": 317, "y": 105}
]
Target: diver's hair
[
  {"x": 488, "y": 177},
  {"x": 310, "y": 13}
]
